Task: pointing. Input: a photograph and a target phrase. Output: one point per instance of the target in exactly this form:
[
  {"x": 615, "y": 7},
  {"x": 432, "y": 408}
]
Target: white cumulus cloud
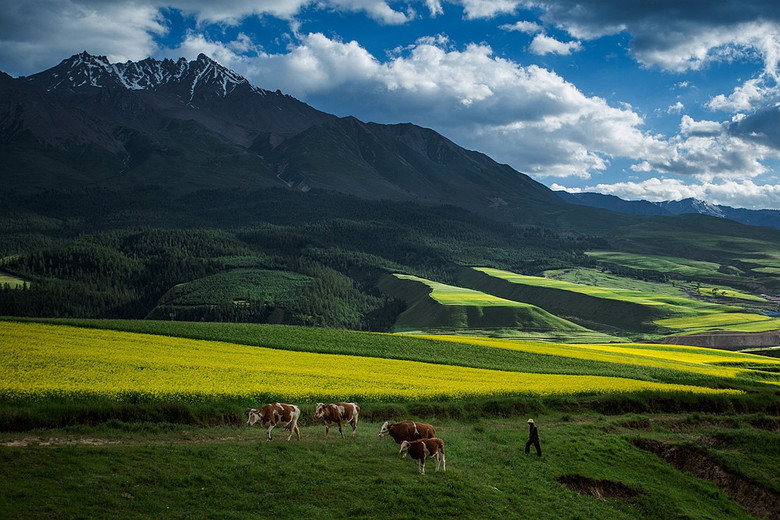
[
  {"x": 543, "y": 44},
  {"x": 523, "y": 26}
]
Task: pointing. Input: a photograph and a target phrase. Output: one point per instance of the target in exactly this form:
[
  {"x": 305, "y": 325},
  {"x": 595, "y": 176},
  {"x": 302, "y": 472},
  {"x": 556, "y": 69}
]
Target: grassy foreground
[
  {"x": 149, "y": 424},
  {"x": 592, "y": 467}
]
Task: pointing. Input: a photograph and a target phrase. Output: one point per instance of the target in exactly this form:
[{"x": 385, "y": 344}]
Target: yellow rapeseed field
[
  {"x": 675, "y": 357},
  {"x": 44, "y": 361}
]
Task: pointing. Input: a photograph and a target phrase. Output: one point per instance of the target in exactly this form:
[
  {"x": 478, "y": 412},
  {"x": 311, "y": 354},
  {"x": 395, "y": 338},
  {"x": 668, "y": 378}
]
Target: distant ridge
[
  {"x": 189, "y": 125},
  {"x": 751, "y": 217}
]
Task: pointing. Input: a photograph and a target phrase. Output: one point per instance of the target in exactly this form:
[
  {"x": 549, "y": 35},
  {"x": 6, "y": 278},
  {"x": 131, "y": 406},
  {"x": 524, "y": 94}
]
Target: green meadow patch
[
  {"x": 734, "y": 321},
  {"x": 632, "y": 308},
  {"x": 666, "y": 264},
  {"x": 12, "y": 282},
  {"x": 432, "y": 305},
  {"x": 592, "y": 466},
  {"x": 727, "y": 292},
  {"x": 452, "y": 295}
]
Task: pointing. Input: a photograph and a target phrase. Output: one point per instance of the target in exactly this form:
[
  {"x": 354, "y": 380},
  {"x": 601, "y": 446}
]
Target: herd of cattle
[{"x": 418, "y": 440}]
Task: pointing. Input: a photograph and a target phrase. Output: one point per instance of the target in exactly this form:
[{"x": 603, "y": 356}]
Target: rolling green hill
[
  {"x": 583, "y": 304},
  {"x": 432, "y": 305},
  {"x": 652, "y": 309}
]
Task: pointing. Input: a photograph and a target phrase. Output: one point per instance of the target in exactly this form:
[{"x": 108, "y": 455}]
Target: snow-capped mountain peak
[
  {"x": 200, "y": 76},
  {"x": 691, "y": 205}
]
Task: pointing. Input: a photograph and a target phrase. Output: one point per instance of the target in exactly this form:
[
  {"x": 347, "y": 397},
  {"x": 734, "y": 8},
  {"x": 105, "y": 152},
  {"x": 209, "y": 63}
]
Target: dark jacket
[{"x": 534, "y": 434}]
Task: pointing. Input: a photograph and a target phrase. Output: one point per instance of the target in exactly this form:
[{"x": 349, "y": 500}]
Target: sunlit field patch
[
  {"x": 723, "y": 292},
  {"x": 10, "y": 281},
  {"x": 45, "y": 361},
  {"x": 452, "y": 295},
  {"x": 674, "y": 357},
  {"x": 732, "y": 321},
  {"x": 686, "y": 314},
  {"x": 664, "y": 264},
  {"x": 627, "y": 295}
]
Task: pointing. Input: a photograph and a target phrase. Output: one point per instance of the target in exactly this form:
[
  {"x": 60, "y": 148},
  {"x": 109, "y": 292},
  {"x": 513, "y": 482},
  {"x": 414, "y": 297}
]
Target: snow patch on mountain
[
  {"x": 690, "y": 205},
  {"x": 198, "y": 75}
]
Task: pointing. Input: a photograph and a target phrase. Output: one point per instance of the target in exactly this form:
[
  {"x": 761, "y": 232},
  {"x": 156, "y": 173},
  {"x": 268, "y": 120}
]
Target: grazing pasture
[{"x": 123, "y": 470}]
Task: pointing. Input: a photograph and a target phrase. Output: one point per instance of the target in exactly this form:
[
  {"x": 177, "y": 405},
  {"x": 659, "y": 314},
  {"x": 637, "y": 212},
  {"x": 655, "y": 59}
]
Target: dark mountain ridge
[{"x": 187, "y": 125}]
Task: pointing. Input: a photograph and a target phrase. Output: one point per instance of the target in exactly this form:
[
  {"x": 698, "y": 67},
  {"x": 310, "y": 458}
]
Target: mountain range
[
  {"x": 186, "y": 125},
  {"x": 761, "y": 217},
  {"x": 191, "y": 125}
]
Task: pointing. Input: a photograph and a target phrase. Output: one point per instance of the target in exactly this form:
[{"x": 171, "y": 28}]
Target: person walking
[{"x": 533, "y": 438}]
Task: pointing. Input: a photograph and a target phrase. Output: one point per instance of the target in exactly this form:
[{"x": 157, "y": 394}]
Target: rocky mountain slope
[{"x": 188, "y": 125}]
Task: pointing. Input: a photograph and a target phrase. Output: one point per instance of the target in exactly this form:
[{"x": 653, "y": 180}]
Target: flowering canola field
[
  {"x": 696, "y": 360},
  {"x": 56, "y": 361}
]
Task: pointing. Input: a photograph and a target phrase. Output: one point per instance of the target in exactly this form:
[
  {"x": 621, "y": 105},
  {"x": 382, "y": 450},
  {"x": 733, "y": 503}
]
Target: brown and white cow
[
  {"x": 276, "y": 414},
  {"x": 421, "y": 449},
  {"x": 338, "y": 413},
  {"x": 407, "y": 431}
]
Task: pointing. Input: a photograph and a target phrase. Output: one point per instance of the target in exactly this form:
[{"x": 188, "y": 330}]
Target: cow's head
[
  {"x": 385, "y": 429},
  {"x": 254, "y": 416},
  {"x": 319, "y": 412},
  {"x": 404, "y": 448}
]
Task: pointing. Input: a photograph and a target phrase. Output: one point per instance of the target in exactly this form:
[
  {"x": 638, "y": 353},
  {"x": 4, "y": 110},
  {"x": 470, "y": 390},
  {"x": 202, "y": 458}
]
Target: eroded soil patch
[
  {"x": 601, "y": 489},
  {"x": 753, "y": 496}
]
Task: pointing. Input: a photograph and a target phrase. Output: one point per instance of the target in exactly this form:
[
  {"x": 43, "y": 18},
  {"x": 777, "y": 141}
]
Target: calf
[
  {"x": 270, "y": 415},
  {"x": 338, "y": 413},
  {"x": 421, "y": 449},
  {"x": 407, "y": 431}
]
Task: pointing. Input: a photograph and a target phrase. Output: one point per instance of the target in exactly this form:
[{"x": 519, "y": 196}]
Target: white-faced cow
[
  {"x": 407, "y": 431},
  {"x": 338, "y": 413},
  {"x": 276, "y": 414},
  {"x": 421, "y": 449}
]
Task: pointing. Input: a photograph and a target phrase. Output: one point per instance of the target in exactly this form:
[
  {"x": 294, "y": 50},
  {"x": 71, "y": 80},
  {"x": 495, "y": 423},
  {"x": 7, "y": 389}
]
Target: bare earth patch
[
  {"x": 601, "y": 489},
  {"x": 35, "y": 441},
  {"x": 753, "y": 496}
]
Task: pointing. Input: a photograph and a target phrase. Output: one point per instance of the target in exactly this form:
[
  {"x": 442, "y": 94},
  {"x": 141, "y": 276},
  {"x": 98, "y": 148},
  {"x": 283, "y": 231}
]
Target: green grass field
[
  {"x": 728, "y": 292},
  {"x": 435, "y": 306},
  {"x": 664, "y": 264},
  {"x": 123, "y": 470},
  {"x": 174, "y": 457},
  {"x": 11, "y": 281},
  {"x": 667, "y": 306}
]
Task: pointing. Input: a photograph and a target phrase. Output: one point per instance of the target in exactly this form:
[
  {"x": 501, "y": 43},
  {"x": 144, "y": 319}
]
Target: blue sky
[{"x": 655, "y": 100}]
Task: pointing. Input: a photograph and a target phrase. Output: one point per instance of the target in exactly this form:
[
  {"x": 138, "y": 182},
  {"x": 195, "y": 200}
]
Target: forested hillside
[{"x": 270, "y": 256}]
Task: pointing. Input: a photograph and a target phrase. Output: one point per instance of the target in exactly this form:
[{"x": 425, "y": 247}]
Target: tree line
[{"x": 108, "y": 267}]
